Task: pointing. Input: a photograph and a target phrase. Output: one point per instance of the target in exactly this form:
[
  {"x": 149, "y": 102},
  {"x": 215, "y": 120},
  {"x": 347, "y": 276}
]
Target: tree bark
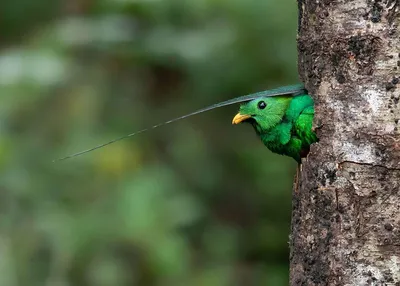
[{"x": 346, "y": 212}]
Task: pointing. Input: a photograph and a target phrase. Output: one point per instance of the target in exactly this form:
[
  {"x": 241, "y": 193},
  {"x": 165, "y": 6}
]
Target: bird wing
[{"x": 303, "y": 126}]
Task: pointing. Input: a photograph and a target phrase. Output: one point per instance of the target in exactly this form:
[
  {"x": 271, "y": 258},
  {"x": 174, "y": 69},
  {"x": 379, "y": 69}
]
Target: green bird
[
  {"x": 284, "y": 122},
  {"x": 282, "y": 117}
]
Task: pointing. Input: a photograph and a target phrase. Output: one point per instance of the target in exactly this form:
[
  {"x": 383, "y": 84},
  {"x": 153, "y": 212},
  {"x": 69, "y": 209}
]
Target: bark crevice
[{"x": 369, "y": 165}]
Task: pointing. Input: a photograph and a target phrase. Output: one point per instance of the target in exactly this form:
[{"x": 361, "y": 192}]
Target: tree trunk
[{"x": 346, "y": 212}]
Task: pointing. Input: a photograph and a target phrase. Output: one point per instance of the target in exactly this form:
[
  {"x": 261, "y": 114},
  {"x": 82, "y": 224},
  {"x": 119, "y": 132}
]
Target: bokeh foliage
[{"x": 199, "y": 202}]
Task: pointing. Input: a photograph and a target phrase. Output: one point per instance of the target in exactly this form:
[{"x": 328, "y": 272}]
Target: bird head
[{"x": 263, "y": 113}]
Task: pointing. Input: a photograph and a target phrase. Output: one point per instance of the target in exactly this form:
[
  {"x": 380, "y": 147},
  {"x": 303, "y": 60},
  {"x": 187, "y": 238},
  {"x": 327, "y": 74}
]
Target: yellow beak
[{"x": 239, "y": 118}]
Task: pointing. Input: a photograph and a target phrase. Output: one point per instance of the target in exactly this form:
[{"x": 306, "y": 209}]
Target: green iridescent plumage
[{"x": 284, "y": 123}]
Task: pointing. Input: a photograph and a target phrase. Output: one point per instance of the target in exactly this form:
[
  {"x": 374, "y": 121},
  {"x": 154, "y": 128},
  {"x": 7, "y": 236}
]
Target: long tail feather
[{"x": 286, "y": 90}]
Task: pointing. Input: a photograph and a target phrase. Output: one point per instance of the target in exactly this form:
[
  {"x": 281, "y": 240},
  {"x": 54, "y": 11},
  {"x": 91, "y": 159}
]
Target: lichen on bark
[{"x": 346, "y": 213}]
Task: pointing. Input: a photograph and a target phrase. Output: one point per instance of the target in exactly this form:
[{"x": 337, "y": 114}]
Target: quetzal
[
  {"x": 282, "y": 117},
  {"x": 284, "y": 122}
]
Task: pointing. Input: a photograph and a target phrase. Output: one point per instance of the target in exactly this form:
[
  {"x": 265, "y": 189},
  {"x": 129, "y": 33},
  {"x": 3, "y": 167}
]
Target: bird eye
[{"x": 262, "y": 105}]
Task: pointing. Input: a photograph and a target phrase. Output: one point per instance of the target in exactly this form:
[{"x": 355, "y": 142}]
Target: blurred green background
[{"x": 198, "y": 202}]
